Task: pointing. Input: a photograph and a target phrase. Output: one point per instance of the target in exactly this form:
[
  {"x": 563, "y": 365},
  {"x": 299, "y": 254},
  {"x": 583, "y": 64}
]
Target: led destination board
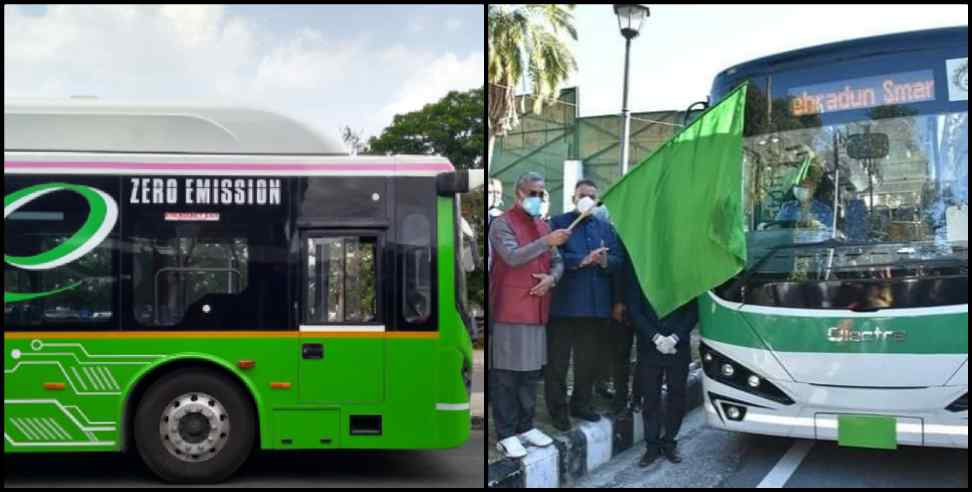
[{"x": 867, "y": 92}]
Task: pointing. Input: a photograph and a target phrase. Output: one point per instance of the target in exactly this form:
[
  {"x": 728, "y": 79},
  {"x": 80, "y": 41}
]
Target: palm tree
[{"x": 525, "y": 41}]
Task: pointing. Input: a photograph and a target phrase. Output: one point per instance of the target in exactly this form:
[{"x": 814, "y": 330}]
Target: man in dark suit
[{"x": 664, "y": 355}]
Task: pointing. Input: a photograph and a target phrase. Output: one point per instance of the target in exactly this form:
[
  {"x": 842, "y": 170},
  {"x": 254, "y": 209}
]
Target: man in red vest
[{"x": 526, "y": 266}]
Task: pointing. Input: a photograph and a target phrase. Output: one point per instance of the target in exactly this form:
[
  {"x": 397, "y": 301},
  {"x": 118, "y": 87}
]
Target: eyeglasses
[{"x": 536, "y": 194}]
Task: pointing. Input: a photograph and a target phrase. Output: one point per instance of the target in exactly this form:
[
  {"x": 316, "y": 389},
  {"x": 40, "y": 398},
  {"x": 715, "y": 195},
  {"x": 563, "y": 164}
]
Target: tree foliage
[{"x": 451, "y": 126}]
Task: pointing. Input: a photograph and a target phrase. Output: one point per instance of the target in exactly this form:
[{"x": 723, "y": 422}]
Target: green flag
[{"x": 680, "y": 212}]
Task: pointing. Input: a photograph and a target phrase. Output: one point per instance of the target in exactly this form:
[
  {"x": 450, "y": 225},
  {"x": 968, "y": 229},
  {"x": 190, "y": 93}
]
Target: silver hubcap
[{"x": 194, "y": 427}]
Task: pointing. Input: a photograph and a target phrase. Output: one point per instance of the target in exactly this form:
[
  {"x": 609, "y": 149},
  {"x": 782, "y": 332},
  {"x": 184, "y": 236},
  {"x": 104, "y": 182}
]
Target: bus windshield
[
  {"x": 868, "y": 151},
  {"x": 910, "y": 195}
]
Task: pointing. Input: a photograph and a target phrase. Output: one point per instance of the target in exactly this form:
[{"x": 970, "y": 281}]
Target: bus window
[
  {"x": 341, "y": 280},
  {"x": 417, "y": 272},
  {"x": 74, "y": 294},
  {"x": 172, "y": 274}
]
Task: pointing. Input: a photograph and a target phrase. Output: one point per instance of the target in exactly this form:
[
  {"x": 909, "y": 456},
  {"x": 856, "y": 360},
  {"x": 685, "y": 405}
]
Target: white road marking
[{"x": 787, "y": 466}]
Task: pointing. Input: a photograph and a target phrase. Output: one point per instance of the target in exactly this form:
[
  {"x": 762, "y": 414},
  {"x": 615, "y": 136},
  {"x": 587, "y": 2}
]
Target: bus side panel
[{"x": 70, "y": 394}]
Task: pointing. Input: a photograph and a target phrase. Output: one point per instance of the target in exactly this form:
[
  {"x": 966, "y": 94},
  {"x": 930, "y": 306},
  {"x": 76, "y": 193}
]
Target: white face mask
[
  {"x": 802, "y": 194},
  {"x": 585, "y": 204}
]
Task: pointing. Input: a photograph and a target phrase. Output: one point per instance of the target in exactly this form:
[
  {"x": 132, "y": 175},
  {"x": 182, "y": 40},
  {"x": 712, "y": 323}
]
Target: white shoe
[
  {"x": 511, "y": 447},
  {"x": 536, "y": 438}
]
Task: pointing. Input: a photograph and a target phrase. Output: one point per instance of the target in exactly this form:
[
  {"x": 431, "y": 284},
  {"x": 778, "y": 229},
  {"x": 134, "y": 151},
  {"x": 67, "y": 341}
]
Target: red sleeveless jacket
[{"x": 509, "y": 287}]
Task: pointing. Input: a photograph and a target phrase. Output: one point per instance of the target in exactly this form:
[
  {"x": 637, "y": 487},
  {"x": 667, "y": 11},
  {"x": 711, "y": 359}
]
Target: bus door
[{"x": 342, "y": 332}]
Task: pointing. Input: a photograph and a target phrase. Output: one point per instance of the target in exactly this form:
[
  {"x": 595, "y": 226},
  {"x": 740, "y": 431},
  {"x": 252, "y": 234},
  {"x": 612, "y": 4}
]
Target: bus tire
[{"x": 232, "y": 407}]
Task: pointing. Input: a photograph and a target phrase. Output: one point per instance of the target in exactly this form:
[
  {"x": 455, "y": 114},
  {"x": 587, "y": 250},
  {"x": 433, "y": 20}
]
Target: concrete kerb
[
  {"x": 580, "y": 451},
  {"x": 477, "y": 407},
  {"x": 478, "y": 403}
]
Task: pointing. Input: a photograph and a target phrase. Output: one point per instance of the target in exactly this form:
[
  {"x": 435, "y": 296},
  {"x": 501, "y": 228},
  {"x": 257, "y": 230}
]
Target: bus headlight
[
  {"x": 960, "y": 405},
  {"x": 726, "y": 371}
]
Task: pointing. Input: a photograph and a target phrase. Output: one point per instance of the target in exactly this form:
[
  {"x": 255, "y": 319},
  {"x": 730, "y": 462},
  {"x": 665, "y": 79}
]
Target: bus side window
[
  {"x": 79, "y": 294},
  {"x": 341, "y": 281},
  {"x": 172, "y": 274},
  {"x": 417, "y": 288},
  {"x": 416, "y": 277}
]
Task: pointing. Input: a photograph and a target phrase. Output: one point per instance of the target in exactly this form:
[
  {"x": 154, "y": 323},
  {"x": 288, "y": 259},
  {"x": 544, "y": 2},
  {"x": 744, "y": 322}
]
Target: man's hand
[
  {"x": 546, "y": 282},
  {"x": 617, "y": 313},
  {"x": 599, "y": 256},
  {"x": 665, "y": 345},
  {"x": 556, "y": 238},
  {"x": 670, "y": 344}
]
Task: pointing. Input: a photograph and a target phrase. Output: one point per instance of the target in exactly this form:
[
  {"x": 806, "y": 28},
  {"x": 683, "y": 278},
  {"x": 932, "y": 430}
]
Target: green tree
[
  {"x": 525, "y": 41},
  {"x": 451, "y": 126}
]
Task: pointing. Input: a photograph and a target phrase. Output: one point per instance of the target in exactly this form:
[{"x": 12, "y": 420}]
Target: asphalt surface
[
  {"x": 714, "y": 458},
  {"x": 478, "y": 385},
  {"x": 464, "y": 467}
]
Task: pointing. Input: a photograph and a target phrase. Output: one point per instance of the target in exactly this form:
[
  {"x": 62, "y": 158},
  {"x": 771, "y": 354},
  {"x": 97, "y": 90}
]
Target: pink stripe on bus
[{"x": 229, "y": 166}]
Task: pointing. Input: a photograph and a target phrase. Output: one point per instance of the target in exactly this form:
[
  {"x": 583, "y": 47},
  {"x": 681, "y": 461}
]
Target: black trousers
[
  {"x": 513, "y": 395},
  {"x": 662, "y": 425},
  {"x": 580, "y": 337},
  {"x": 617, "y": 358}
]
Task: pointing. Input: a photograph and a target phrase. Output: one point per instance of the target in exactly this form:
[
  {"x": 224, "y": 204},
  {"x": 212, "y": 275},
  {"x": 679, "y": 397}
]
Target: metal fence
[{"x": 542, "y": 142}]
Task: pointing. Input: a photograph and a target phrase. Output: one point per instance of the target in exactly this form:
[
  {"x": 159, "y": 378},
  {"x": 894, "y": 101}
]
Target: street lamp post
[{"x": 630, "y": 17}]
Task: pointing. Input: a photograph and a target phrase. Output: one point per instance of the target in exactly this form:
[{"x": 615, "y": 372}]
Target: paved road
[
  {"x": 479, "y": 361},
  {"x": 477, "y": 382},
  {"x": 721, "y": 459},
  {"x": 446, "y": 468}
]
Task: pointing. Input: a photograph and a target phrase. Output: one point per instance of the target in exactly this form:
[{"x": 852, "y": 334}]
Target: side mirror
[
  {"x": 868, "y": 146},
  {"x": 460, "y": 181},
  {"x": 691, "y": 113}
]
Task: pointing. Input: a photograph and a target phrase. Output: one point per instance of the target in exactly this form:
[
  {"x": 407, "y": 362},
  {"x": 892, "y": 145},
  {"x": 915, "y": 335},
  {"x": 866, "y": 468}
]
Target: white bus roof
[{"x": 97, "y": 126}]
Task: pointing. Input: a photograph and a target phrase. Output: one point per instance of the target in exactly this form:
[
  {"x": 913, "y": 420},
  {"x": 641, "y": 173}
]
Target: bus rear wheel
[{"x": 194, "y": 426}]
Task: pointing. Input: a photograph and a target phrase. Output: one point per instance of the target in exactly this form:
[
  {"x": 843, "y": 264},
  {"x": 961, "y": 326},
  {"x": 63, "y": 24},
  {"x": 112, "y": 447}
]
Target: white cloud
[
  {"x": 416, "y": 25},
  {"x": 307, "y": 61},
  {"x": 433, "y": 79},
  {"x": 164, "y": 53}
]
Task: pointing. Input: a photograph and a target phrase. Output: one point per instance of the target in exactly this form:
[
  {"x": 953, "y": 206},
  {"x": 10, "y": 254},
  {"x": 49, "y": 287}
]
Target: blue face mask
[{"x": 532, "y": 206}]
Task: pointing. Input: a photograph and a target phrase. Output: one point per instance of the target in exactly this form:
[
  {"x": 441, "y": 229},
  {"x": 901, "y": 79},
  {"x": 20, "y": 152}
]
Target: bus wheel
[{"x": 194, "y": 426}]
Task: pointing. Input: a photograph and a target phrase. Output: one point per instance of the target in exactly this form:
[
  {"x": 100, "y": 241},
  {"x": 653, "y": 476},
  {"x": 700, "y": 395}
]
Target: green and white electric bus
[
  {"x": 850, "y": 321},
  {"x": 195, "y": 283}
]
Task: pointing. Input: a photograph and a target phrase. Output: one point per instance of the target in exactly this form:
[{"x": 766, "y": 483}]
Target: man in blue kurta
[{"x": 581, "y": 311}]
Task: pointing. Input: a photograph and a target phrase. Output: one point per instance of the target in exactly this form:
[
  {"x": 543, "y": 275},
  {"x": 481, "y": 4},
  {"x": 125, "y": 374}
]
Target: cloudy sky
[
  {"x": 328, "y": 66},
  {"x": 682, "y": 47}
]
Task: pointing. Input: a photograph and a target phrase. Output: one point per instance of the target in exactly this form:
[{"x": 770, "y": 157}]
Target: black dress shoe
[
  {"x": 588, "y": 416},
  {"x": 561, "y": 423},
  {"x": 649, "y": 457},
  {"x": 671, "y": 454}
]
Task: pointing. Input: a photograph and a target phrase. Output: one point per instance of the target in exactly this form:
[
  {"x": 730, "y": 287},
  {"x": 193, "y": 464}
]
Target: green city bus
[
  {"x": 850, "y": 321},
  {"x": 195, "y": 283}
]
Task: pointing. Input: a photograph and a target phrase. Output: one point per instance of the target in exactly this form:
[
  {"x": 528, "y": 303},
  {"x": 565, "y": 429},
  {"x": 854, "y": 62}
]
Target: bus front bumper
[{"x": 920, "y": 414}]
